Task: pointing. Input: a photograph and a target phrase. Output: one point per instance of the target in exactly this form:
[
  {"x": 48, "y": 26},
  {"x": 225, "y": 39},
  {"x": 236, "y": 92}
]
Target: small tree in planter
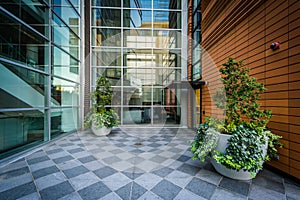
[
  {"x": 101, "y": 118},
  {"x": 249, "y": 143}
]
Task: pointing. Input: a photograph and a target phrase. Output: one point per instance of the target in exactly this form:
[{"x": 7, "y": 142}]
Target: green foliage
[
  {"x": 239, "y": 97},
  {"x": 100, "y": 115},
  {"x": 244, "y": 150},
  {"x": 205, "y": 141}
]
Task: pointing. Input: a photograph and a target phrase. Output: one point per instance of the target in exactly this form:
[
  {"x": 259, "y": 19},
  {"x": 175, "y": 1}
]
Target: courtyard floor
[{"x": 131, "y": 163}]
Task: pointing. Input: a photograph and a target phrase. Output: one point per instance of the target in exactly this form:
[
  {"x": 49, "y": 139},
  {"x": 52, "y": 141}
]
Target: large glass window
[
  {"x": 106, "y": 17},
  {"x": 106, "y": 37},
  {"x": 137, "y": 18}
]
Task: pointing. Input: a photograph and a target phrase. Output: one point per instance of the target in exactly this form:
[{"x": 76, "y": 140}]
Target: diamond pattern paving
[{"x": 130, "y": 163}]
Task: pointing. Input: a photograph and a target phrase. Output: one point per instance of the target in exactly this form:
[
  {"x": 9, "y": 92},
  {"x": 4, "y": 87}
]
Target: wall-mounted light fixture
[{"x": 275, "y": 45}]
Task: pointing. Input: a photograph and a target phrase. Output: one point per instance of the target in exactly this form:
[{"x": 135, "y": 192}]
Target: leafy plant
[
  {"x": 205, "y": 141},
  {"x": 100, "y": 115}
]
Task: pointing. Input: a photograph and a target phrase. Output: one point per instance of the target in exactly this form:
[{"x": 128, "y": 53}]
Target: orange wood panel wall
[{"x": 244, "y": 30}]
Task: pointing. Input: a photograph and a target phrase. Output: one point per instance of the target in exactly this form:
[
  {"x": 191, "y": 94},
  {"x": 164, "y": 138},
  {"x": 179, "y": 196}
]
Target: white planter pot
[
  {"x": 231, "y": 173},
  {"x": 101, "y": 131}
]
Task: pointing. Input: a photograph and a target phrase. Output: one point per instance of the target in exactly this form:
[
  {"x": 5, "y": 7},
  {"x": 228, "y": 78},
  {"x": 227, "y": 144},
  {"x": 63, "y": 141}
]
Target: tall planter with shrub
[{"x": 243, "y": 142}]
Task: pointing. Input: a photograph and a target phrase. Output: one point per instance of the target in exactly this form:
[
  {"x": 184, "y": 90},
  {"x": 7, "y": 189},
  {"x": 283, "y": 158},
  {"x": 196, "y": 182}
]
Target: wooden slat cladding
[{"x": 245, "y": 30}]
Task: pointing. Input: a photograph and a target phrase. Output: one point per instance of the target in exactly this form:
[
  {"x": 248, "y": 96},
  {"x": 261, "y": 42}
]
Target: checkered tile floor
[{"x": 131, "y": 163}]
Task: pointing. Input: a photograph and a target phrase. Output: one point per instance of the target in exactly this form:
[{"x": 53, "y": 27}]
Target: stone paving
[{"x": 131, "y": 163}]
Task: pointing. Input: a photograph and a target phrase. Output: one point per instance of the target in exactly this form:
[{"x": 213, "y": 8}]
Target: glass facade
[
  {"x": 138, "y": 46},
  {"x": 39, "y": 69}
]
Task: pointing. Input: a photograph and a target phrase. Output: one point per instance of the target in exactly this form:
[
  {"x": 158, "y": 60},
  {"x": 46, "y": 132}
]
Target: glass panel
[
  {"x": 138, "y": 77},
  {"x": 64, "y": 93},
  {"x": 106, "y": 57},
  {"x": 21, "y": 44},
  {"x": 20, "y": 128},
  {"x": 63, "y": 120},
  {"x": 64, "y": 65},
  {"x": 137, "y": 18},
  {"x": 166, "y": 77},
  {"x": 106, "y": 17},
  {"x": 106, "y": 37},
  {"x": 64, "y": 37},
  {"x": 107, "y": 3},
  {"x": 167, "y": 58},
  {"x": 137, "y": 95},
  {"x": 166, "y": 115},
  {"x": 137, "y": 4},
  {"x": 167, "y": 19},
  {"x": 76, "y": 4},
  {"x": 34, "y": 13},
  {"x": 113, "y": 75},
  {"x": 168, "y": 96},
  {"x": 20, "y": 87},
  {"x": 136, "y": 115},
  {"x": 137, "y": 38},
  {"x": 167, "y": 39},
  {"x": 167, "y": 4},
  {"x": 63, "y": 9},
  {"x": 138, "y": 58},
  {"x": 197, "y": 71},
  {"x": 197, "y": 37}
]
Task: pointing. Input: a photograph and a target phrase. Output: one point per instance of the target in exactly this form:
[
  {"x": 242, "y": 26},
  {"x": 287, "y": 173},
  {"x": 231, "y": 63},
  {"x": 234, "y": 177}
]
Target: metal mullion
[
  {"x": 21, "y": 109},
  {"x": 122, "y": 64},
  {"x": 23, "y": 23}
]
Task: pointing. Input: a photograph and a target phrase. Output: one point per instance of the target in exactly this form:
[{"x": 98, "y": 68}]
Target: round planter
[
  {"x": 231, "y": 173},
  {"x": 101, "y": 131}
]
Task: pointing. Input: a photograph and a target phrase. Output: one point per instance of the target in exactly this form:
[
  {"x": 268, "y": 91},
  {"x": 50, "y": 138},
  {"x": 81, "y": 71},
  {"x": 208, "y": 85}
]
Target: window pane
[
  {"x": 138, "y": 58},
  {"x": 113, "y": 75},
  {"x": 137, "y": 38},
  {"x": 64, "y": 93},
  {"x": 137, "y": 18},
  {"x": 166, "y": 76},
  {"x": 20, "y": 87},
  {"x": 166, "y": 115},
  {"x": 167, "y": 19},
  {"x": 167, "y": 58},
  {"x": 20, "y": 128},
  {"x": 138, "y": 77},
  {"x": 63, "y": 9},
  {"x": 21, "y": 44},
  {"x": 167, "y": 39},
  {"x": 106, "y": 17},
  {"x": 63, "y": 120},
  {"x": 106, "y": 57},
  {"x": 64, "y": 65},
  {"x": 168, "y": 96},
  {"x": 167, "y": 4},
  {"x": 137, "y": 4},
  {"x": 106, "y": 37},
  {"x": 107, "y": 3},
  {"x": 34, "y": 13},
  {"x": 136, "y": 115}
]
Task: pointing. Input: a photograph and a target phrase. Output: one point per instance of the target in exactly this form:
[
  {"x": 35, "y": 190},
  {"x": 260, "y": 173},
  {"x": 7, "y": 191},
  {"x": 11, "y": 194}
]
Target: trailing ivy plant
[
  {"x": 205, "y": 141},
  {"x": 101, "y": 115}
]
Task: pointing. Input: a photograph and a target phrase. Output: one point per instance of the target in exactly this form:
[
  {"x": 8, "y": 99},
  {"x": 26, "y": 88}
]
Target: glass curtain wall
[
  {"x": 137, "y": 45},
  {"x": 39, "y": 71},
  {"x": 196, "y": 53}
]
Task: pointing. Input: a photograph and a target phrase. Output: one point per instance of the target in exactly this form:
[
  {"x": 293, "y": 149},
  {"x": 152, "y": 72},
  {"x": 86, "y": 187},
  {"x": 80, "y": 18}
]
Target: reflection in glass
[
  {"x": 167, "y": 4},
  {"x": 138, "y": 77},
  {"x": 166, "y": 115},
  {"x": 106, "y": 57},
  {"x": 137, "y": 18},
  {"x": 138, "y": 38},
  {"x": 166, "y": 19},
  {"x": 64, "y": 65},
  {"x": 137, "y": 95},
  {"x": 63, "y": 120},
  {"x": 64, "y": 93},
  {"x": 106, "y": 37},
  {"x": 167, "y": 58},
  {"x": 166, "y": 76},
  {"x": 167, "y": 39},
  {"x": 68, "y": 14},
  {"x": 107, "y": 3},
  {"x": 137, "y": 4},
  {"x": 168, "y": 96},
  {"x": 20, "y": 87},
  {"x": 21, "y": 44},
  {"x": 138, "y": 58},
  {"x": 106, "y": 17},
  {"x": 113, "y": 75},
  {"x": 64, "y": 37},
  {"x": 20, "y": 128},
  {"x": 34, "y": 13}
]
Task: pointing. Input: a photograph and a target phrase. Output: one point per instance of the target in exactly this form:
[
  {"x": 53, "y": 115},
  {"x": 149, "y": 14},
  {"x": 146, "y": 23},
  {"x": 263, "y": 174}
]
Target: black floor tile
[{"x": 56, "y": 191}]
